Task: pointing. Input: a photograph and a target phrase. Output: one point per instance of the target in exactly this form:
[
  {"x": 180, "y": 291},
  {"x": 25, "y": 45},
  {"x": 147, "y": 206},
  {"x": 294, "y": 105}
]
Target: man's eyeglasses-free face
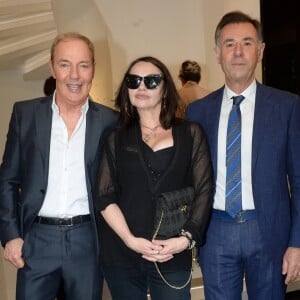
[{"x": 151, "y": 81}]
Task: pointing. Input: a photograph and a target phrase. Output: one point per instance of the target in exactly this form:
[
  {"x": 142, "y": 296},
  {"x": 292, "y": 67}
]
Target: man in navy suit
[
  {"x": 261, "y": 243},
  {"x": 47, "y": 179}
]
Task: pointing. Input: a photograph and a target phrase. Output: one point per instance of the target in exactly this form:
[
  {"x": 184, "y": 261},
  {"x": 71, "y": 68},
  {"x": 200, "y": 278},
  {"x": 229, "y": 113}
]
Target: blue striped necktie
[{"x": 233, "y": 160}]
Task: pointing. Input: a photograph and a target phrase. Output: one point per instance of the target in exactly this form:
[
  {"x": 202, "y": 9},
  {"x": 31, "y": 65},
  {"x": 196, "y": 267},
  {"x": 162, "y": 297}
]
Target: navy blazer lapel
[
  {"x": 212, "y": 119},
  {"x": 93, "y": 132},
  {"x": 262, "y": 115},
  {"x": 43, "y": 121}
]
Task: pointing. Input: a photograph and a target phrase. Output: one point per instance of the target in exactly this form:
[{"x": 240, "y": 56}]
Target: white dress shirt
[
  {"x": 66, "y": 194},
  {"x": 247, "y": 107}
]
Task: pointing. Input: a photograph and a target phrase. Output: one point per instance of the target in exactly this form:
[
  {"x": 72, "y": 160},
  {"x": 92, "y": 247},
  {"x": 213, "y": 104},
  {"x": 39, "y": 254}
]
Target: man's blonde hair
[{"x": 67, "y": 36}]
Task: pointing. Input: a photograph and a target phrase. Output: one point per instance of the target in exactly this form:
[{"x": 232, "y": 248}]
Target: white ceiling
[{"x": 27, "y": 29}]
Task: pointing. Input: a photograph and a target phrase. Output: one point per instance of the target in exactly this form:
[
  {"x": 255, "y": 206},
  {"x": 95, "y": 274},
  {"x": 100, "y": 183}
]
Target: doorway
[{"x": 281, "y": 31}]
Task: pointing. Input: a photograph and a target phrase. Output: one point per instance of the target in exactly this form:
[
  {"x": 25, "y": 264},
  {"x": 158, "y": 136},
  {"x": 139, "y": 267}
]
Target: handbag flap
[{"x": 176, "y": 199}]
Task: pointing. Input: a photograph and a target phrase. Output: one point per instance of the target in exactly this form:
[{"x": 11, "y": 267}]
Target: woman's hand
[
  {"x": 142, "y": 246},
  {"x": 169, "y": 247}
]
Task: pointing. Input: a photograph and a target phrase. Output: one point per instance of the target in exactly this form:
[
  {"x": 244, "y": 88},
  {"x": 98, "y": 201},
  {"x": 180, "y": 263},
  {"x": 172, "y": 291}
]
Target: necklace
[{"x": 152, "y": 134}]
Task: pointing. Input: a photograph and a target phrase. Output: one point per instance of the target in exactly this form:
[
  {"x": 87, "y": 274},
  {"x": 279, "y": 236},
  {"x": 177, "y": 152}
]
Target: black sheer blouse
[{"x": 132, "y": 175}]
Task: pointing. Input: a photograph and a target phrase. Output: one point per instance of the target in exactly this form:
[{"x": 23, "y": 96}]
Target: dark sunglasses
[{"x": 151, "y": 81}]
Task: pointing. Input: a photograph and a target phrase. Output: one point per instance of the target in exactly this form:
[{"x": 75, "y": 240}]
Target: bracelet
[{"x": 187, "y": 234}]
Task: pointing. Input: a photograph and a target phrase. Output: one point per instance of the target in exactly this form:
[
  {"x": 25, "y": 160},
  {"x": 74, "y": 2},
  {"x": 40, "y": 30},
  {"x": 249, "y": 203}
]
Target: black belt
[
  {"x": 63, "y": 221},
  {"x": 241, "y": 217}
]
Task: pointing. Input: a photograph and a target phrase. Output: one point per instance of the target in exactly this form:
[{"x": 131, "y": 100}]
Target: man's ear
[
  {"x": 217, "y": 53},
  {"x": 51, "y": 69},
  {"x": 261, "y": 48}
]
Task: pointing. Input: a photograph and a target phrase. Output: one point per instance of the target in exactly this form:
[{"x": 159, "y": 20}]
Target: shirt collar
[
  {"x": 247, "y": 93},
  {"x": 55, "y": 108}
]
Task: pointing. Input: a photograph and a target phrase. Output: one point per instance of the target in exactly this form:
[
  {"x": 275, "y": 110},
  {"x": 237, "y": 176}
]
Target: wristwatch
[{"x": 188, "y": 235}]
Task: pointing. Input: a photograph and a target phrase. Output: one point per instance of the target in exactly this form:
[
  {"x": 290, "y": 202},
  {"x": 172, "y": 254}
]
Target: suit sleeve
[
  {"x": 10, "y": 183},
  {"x": 293, "y": 163}
]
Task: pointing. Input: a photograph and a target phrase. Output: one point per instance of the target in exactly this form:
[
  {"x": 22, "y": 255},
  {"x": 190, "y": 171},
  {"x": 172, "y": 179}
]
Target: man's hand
[
  {"x": 13, "y": 252},
  {"x": 291, "y": 264}
]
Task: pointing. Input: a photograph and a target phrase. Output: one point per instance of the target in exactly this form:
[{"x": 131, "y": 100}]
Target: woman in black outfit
[{"x": 150, "y": 153}]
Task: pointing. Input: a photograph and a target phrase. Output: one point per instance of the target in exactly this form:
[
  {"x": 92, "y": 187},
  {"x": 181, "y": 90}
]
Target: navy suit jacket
[
  {"x": 24, "y": 170},
  {"x": 275, "y": 157}
]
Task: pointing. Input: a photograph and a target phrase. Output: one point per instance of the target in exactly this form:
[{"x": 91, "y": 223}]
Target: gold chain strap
[
  {"x": 158, "y": 226},
  {"x": 157, "y": 268}
]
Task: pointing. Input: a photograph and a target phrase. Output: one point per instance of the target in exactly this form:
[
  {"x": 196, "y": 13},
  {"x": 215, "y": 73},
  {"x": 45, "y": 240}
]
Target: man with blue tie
[{"x": 254, "y": 137}]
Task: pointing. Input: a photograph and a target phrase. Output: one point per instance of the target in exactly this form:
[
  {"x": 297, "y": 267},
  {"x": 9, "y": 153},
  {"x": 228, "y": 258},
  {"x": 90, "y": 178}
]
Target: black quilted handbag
[{"x": 172, "y": 211}]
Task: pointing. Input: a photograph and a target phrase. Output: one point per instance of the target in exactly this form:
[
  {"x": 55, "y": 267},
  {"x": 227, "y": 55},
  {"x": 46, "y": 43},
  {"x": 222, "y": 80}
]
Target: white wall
[
  {"x": 3, "y": 287},
  {"x": 171, "y": 30},
  {"x": 14, "y": 88}
]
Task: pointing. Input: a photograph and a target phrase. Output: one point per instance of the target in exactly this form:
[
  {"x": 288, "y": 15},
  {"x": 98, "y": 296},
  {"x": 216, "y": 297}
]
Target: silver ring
[{"x": 158, "y": 252}]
